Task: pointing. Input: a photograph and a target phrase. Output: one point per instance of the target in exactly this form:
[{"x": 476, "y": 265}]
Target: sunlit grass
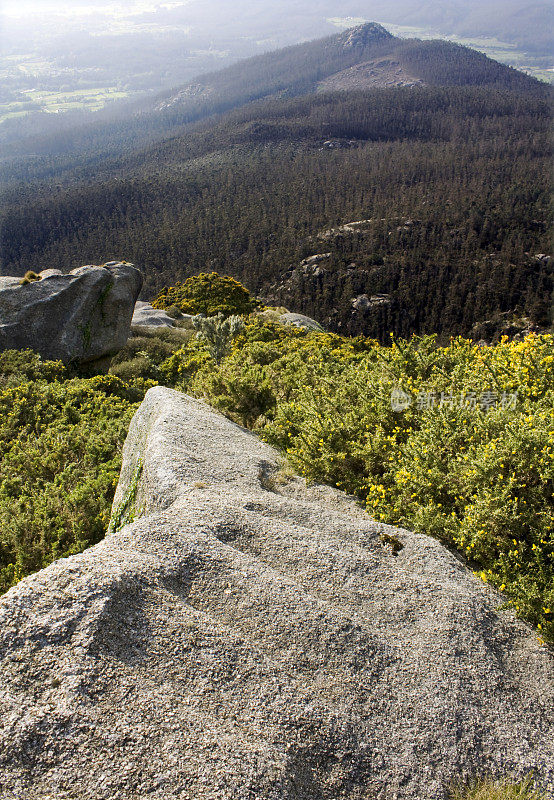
[{"x": 505, "y": 789}]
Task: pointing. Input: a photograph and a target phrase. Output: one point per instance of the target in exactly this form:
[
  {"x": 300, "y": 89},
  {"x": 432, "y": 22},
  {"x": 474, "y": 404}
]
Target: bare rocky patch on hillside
[{"x": 381, "y": 73}]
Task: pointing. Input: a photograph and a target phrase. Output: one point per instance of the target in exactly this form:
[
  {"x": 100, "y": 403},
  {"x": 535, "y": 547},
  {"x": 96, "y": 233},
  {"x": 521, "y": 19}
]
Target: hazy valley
[{"x": 80, "y": 58}]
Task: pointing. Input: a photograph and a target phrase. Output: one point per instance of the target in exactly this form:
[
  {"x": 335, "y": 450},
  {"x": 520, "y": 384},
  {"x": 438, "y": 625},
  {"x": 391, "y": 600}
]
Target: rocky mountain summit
[
  {"x": 78, "y": 318},
  {"x": 239, "y": 634},
  {"x": 364, "y": 35}
]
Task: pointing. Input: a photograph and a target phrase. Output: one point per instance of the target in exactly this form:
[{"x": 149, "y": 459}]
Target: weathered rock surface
[
  {"x": 248, "y": 637},
  {"x": 380, "y": 73},
  {"x": 317, "y": 259},
  {"x": 363, "y": 35},
  {"x": 300, "y": 321},
  {"x": 147, "y": 316},
  {"x": 365, "y": 303},
  {"x": 78, "y": 318},
  {"x": 516, "y": 327}
]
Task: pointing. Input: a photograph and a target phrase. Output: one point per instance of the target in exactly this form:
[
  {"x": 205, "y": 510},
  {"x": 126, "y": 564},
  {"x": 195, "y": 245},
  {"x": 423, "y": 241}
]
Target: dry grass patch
[{"x": 504, "y": 789}]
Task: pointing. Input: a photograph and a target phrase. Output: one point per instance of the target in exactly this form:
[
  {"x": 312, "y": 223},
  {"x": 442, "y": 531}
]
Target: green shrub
[
  {"x": 209, "y": 294},
  {"x": 18, "y": 366},
  {"x": 146, "y": 351},
  {"x": 174, "y": 312},
  {"x": 60, "y": 456},
  {"x": 140, "y": 366},
  {"x": 182, "y": 366},
  {"x": 157, "y": 343},
  {"x": 218, "y": 333}
]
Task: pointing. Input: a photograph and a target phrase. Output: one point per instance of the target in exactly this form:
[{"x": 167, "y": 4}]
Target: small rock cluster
[{"x": 365, "y": 304}]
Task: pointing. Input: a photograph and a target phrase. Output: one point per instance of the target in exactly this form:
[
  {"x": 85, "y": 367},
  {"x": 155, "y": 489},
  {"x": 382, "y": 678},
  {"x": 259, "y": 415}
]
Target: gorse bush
[
  {"x": 60, "y": 456},
  {"x": 209, "y": 294},
  {"x": 29, "y": 277},
  {"x": 21, "y": 366},
  {"x": 456, "y": 442}
]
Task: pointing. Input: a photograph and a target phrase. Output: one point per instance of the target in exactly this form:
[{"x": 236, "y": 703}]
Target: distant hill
[
  {"x": 304, "y": 67},
  {"x": 257, "y": 168},
  {"x": 72, "y": 60},
  {"x": 289, "y": 72},
  {"x": 529, "y": 25}
]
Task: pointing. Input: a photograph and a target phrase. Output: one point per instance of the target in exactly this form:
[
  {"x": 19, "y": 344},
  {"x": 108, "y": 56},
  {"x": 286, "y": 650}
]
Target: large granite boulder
[
  {"x": 240, "y": 635},
  {"x": 78, "y": 318}
]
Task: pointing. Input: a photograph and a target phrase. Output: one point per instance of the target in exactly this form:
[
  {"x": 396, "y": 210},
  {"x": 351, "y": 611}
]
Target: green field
[
  {"x": 21, "y": 72},
  {"x": 58, "y": 102}
]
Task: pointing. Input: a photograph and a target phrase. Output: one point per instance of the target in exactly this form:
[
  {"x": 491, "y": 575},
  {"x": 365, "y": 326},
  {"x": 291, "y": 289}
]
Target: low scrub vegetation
[
  {"x": 60, "y": 445},
  {"x": 209, "y": 294},
  {"x": 455, "y": 441}
]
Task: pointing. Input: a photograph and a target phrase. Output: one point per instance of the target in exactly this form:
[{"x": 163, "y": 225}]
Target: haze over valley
[{"x": 67, "y": 56}]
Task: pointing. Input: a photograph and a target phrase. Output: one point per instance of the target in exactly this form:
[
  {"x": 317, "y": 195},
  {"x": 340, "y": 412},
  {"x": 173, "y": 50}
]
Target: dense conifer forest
[{"x": 451, "y": 182}]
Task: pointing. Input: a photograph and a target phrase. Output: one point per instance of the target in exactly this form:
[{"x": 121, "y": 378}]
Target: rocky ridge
[{"x": 239, "y": 634}]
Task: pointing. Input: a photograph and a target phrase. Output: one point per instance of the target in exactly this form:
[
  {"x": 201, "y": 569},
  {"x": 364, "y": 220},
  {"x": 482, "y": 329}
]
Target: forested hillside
[
  {"x": 467, "y": 169},
  {"x": 287, "y": 72},
  {"x": 449, "y": 182}
]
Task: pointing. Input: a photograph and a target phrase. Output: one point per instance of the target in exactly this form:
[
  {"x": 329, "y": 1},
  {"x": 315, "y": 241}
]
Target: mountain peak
[{"x": 363, "y": 35}]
